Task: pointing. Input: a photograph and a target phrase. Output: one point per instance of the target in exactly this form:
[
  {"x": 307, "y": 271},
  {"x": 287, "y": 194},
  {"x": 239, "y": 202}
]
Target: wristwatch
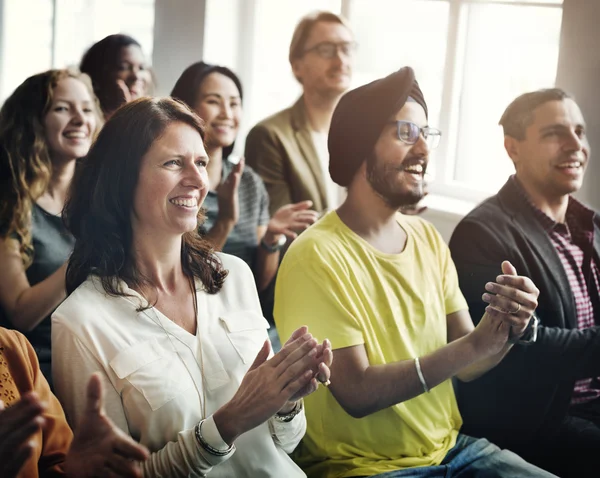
[
  {"x": 288, "y": 417},
  {"x": 271, "y": 248},
  {"x": 530, "y": 335}
]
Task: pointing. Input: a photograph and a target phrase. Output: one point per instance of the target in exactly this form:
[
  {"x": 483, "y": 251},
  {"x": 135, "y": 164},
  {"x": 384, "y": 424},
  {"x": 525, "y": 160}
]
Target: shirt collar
[{"x": 577, "y": 215}]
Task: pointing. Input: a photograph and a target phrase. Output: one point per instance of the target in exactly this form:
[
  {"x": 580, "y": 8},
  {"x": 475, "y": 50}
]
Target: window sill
[{"x": 449, "y": 207}]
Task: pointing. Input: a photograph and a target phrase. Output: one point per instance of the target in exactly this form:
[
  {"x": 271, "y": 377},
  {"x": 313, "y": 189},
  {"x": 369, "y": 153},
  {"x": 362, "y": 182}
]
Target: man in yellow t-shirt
[{"x": 382, "y": 287}]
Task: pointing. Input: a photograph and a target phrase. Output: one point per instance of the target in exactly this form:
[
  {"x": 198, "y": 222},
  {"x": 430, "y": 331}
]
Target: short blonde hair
[{"x": 305, "y": 26}]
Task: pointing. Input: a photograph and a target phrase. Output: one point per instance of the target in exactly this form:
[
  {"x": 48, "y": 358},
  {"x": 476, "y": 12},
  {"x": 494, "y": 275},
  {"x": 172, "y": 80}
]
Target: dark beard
[{"x": 378, "y": 178}]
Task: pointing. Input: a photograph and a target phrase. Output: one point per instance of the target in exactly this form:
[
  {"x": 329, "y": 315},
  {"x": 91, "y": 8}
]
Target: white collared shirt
[{"x": 151, "y": 369}]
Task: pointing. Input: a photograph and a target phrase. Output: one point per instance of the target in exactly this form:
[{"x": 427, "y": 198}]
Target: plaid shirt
[{"x": 574, "y": 243}]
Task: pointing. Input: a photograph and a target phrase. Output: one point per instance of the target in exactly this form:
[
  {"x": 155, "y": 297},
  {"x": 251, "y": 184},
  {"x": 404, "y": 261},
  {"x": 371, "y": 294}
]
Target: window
[
  {"x": 261, "y": 32},
  {"x": 492, "y": 67},
  {"x": 471, "y": 57},
  {"x": 386, "y": 44},
  {"x": 42, "y": 34},
  {"x": 91, "y": 20},
  {"x": 26, "y": 41}
]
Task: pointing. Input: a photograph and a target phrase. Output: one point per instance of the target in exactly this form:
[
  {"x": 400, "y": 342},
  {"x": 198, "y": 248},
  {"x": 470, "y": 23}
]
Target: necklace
[{"x": 168, "y": 334}]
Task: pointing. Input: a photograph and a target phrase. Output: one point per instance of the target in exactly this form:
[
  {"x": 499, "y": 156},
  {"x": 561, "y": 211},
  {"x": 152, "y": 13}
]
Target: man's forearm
[
  {"x": 382, "y": 386},
  {"x": 483, "y": 366}
]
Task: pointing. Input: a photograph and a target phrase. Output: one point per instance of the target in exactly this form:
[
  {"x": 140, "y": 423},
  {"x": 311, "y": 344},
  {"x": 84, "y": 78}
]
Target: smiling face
[
  {"x": 71, "y": 121},
  {"x": 133, "y": 71},
  {"x": 172, "y": 183},
  {"x": 396, "y": 170},
  {"x": 325, "y": 76},
  {"x": 551, "y": 159},
  {"x": 220, "y": 106}
]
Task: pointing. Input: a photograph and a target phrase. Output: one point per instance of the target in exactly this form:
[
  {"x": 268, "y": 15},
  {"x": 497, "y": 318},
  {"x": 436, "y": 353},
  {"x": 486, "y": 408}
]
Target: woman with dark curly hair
[
  {"x": 119, "y": 71},
  {"x": 45, "y": 125},
  {"x": 174, "y": 329}
]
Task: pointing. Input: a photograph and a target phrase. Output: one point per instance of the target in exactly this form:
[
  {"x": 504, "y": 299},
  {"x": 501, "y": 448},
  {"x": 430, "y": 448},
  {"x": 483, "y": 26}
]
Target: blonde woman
[{"x": 45, "y": 125}]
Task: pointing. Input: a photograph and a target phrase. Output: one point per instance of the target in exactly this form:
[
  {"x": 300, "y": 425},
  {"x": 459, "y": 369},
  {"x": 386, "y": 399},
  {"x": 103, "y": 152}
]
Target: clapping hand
[
  {"x": 227, "y": 194},
  {"x": 100, "y": 448},
  {"x": 291, "y": 219},
  {"x": 17, "y": 425},
  {"x": 320, "y": 367},
  {"x": 512, "y": 302},
  {"x": 515, "y": 298},
  {"x": 271, "y": 384}
]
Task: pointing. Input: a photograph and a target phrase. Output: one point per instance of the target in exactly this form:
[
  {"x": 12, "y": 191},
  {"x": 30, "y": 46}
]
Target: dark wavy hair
[
  {"x": 98, "y": 210},
  {"x": 187, "y": 87},
  {"x": 25, "y": 162}
]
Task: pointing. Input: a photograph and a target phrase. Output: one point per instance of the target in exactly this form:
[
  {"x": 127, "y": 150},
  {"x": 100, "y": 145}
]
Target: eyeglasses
[
  {"x": 409, "y": 133},
  {"x": 330, "y": 50}
]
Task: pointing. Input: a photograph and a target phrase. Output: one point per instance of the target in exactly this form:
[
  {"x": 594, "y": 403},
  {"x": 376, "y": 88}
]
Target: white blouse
[{"x": 151, "y": 369}]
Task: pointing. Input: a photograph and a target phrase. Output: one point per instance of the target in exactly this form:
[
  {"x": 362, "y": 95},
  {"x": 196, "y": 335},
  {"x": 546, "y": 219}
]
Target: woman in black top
[
  {"x": 45, "y": 125},
  {"x": 119, "y": 71}
]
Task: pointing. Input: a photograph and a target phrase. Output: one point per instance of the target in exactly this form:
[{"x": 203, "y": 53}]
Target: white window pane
[
  {"x": 221, "y": 33},
  {"x": 27, "y": 42},
  {"x": 385, "y": 44},
  {"x": 533, "y": 2},
  {"x": 273, "y": 84},
  {"x": 89, "y": 21},
  {"x": 505, "y": 57}
]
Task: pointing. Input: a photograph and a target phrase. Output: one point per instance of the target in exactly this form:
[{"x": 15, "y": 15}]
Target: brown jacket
[
  {"x": 280, "y": 149},
  {"x": 20, "y": 373}
]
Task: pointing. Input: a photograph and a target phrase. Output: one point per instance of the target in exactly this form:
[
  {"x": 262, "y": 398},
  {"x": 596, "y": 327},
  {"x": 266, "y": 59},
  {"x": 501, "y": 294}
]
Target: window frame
[{"x": 444, "y": 183}]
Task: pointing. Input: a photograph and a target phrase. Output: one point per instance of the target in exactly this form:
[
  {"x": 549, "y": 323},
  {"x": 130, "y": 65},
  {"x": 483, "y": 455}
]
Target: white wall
[
  {"x": 178, "y": 39},
  {"x": 578, "y": 73}
]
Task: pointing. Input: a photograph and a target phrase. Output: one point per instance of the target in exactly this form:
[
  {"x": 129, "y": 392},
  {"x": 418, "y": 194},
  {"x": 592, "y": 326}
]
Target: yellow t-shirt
[{"x": 396, "y": 305}]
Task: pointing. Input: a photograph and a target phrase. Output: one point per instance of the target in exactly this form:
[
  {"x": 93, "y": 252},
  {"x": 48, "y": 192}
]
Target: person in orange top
[{"x": 35, "y": 440}]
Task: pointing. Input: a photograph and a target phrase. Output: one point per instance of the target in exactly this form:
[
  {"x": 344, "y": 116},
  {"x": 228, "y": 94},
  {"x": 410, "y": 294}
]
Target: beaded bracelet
[{"x": 203, "y": 443}]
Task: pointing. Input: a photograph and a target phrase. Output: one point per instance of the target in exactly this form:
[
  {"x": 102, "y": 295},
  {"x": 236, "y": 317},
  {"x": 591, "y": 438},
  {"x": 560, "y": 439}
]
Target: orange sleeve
[{"x": 56, "y": 435}]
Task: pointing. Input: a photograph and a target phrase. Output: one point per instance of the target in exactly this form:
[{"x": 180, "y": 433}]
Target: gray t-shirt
[
  {"x": 254, "y": 211},
  {"x": 52, "y": 246}
]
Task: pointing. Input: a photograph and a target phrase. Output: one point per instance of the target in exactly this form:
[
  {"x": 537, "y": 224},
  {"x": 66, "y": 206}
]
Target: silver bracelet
[
  {"x": 203, "y": 443},
  {"x": 420, "y": 374}
]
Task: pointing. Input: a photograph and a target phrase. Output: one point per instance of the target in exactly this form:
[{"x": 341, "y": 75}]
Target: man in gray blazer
[{"x": 289, "y": 149}]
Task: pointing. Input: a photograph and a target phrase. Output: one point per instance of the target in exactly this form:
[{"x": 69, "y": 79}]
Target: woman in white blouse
[{"x": 174, "y": 329}]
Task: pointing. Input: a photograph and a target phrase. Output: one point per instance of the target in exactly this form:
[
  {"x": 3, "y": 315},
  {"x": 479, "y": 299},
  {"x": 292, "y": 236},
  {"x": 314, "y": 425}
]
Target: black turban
[{"x": 359, "y": 119}]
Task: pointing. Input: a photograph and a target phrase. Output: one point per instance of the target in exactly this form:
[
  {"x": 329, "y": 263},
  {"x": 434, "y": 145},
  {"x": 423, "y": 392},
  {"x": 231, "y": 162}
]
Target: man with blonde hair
[{"x": 289, "y": 149}]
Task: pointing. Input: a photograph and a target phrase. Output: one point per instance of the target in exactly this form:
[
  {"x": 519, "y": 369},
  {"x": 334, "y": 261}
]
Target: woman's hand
[
  {"x": 113, "y": 96},
  {"x": 17, "y": 425},
  {"x": 227, "y": 195},
  {"x": 289, "y": 219},
  {"x": 99, "y": 447},
  {"x": 321, "y": 369},
  {"x": 269, "y": 385}
]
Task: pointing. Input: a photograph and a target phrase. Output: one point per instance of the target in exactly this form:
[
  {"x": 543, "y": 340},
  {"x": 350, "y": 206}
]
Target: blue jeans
[{"x": 474, "y": 457}]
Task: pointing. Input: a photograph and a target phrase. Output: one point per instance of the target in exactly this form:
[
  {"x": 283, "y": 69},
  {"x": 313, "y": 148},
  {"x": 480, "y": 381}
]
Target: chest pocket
[
  {"x": 246, "y": 332},
  {"x": 155, "y": 372}
]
